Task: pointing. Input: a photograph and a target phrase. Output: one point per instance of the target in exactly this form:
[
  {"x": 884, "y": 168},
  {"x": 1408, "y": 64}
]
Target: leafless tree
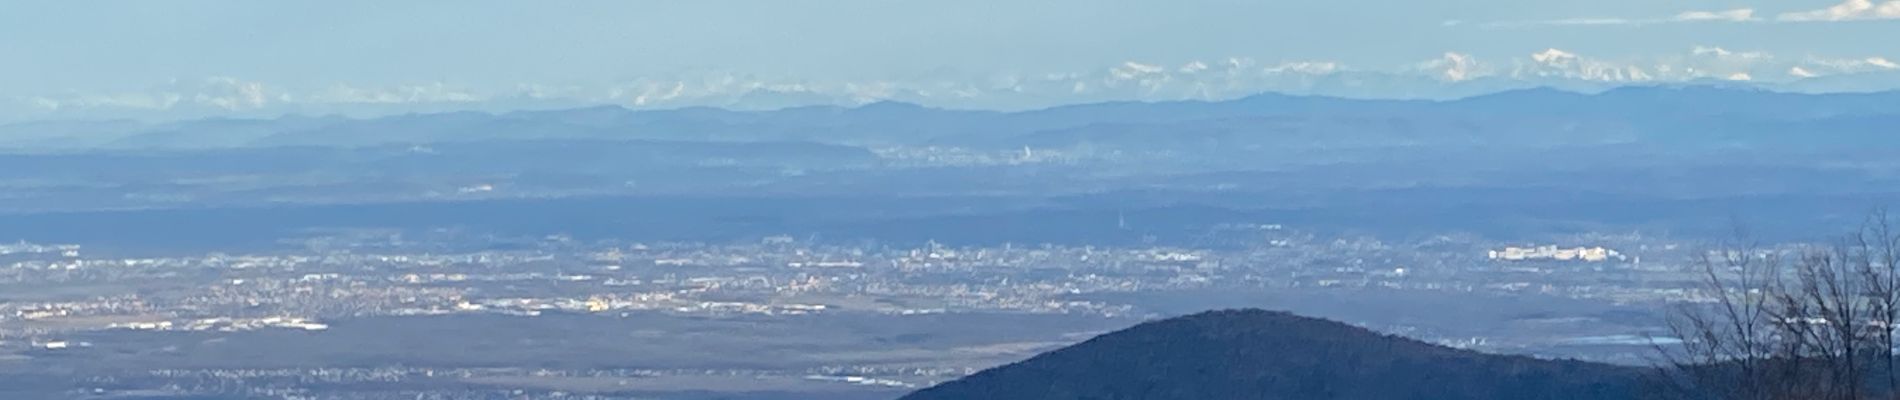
[
  {"x": 1880, "y": 269},
  {"x": 1773, "y": 324}
]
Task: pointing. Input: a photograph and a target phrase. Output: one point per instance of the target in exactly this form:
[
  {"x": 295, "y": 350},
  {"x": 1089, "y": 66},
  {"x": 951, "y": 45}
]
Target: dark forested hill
[{"x": 1254, "y": 354}]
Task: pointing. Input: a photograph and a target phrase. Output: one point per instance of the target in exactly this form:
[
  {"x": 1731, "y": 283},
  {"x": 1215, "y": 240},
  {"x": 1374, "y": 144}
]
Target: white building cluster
[{"x": 1552, "y": 252}]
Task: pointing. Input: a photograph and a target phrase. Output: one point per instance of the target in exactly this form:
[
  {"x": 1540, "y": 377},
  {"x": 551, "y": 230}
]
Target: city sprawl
[{"x": 161, "y": 324}]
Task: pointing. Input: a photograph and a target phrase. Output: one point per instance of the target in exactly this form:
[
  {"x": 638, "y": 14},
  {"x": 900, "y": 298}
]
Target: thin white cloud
[
  {"x": 1849, "y": 10},
  {"x": 1734, "y": 15},
  {"x": 1854, "y": 65},
  {"x": 1557, "y": 22},
  {"x": 1726, "y": 54}
]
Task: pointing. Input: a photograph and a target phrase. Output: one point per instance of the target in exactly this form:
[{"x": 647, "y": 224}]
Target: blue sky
[{"x": 70, "y": 48}]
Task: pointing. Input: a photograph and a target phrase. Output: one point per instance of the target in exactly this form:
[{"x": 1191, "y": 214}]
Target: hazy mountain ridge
[
  {"x": 1255, "y": 354},
  {"x": 1515, "y": 115},
  {"x": 1643, "y": 148},
  {"x": 1451, "y": 75}
]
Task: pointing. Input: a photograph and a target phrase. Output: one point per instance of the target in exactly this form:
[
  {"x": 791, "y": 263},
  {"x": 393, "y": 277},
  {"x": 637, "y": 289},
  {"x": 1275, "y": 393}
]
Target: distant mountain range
[
  {"x": 1628, "y": 154},
  {"x": 1450, "y": 76},
  {"x": 1538, "y": 116},
  {"x": 1254, "y": 354}
]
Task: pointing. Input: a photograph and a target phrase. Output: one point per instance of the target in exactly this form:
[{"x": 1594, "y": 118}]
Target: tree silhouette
[{"x": 1811, "y": 323}]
